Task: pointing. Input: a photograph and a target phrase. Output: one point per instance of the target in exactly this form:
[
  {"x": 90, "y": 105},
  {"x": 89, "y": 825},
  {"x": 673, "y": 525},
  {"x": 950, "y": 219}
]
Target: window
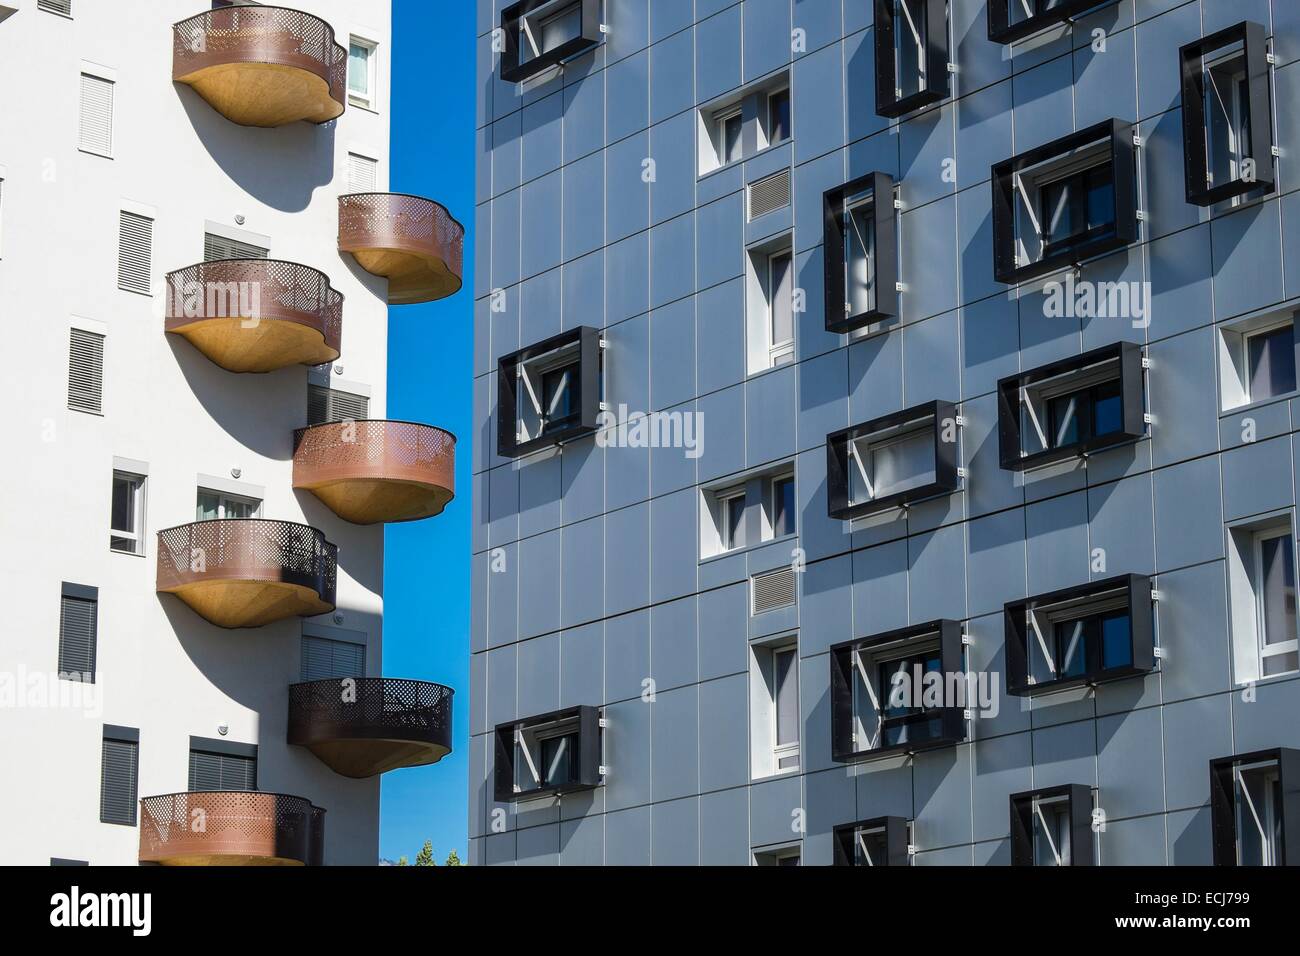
[
  {"x": 1012, "y": 20},
  {"x": 783, "y": 507},
  {"x": 222, "y": 765},
  {"x": 363, "y": 173},
  {"x": 892, "y": 461},
  {"x": 325, "y": 658},
  {"x": 127, "y": 520},
  {"x": 78, "y": 632},
  {"x": 1257, "y": 359},
  {"x": 215, "y": 504},
  {"x": 1262, "y": 596},
  {"x": 216, "y": 247},
  {"x": 325, "y": 405},
  {"x": 879, "y": 704},
  {"x": 730, "y": 128},
  {"x": 860, "y": 254},
  {"x": 1052, "y": 827},
  {"x": 134, "y": 253},
  {"x": 95, "y": 132},
  {"x": 731, "y": 508},
  {"x": 1251, "y": 797},
  {"x": 1063, "y": 203},
  {"x": 911, "y": 55},
  {"x": 770, "y": 305},
  {"x": 774, "y": 707},
  {"x": 549, "y": 392},
  {"x": 1227, "y": 115},
  {"x": 745, "y": 123},
  {"x": 883, "y": 841},
  {"x": 86, "y": 372},
  {"x": 119, "y": 774},
  {"x": 742, "y": 513},
  {"x": 362, "y": 75},
  {"x": 782, "y": 856},
  {"x": 541, "y": 33},
  {"x": 780, "y": 307},
  {"x": 777, "y": 125},
  {"x": 552, "y": 753},
  {"x": 1089, "y": 634}
]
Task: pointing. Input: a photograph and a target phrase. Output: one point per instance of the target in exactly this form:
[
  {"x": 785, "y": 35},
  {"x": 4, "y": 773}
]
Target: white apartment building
[{"x": 196, "y": 263}]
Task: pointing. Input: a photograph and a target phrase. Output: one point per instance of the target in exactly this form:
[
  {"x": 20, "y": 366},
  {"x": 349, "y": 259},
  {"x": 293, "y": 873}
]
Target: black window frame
[
  {"x": 512, "y": 17},
  {"x": 938, "y": 85},
  {"x": 838, "y": 464},
  {"x": 885, "y": 241},
  {"x": 886, "y": 643},
  {"x": 1223, "y": 803},
  {"x": 1002, "y": 30},
  {"x": 131, "y": 737},
  {"x": 1087, "y": 600},
  {"x": 1079, "y": 796},
  {"x": 1254, "y": 40},
  {"x": 87, "y": 594},
  {"x": 587, "y": 722},
  {"x": 896, "y": 840},
  {"x": 1128, "y": 361},
  {"x": 1120, "y": 155},
  {"x": 583, "y": 422}
]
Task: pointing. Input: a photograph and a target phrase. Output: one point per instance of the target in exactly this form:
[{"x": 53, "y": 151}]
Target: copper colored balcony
[
  {"x": 246, "y": 572},
  {"x": 414, "y": 242},
  {"x": 373, "y": 471},
  {"x": 364, "y": 726},
  {"x": 231, "y": 828},
  {"x": 256, "y": 315},
  {"x": 262, "y": 66}
]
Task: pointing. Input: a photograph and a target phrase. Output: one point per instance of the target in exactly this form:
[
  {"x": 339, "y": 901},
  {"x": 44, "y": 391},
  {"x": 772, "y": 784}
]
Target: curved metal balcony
[
  {"x": 412, "y": 241},
  {"x": 372, "y": 471},
  {"x": 256, "y": 315},
  {"x": 262, "y": 66},
  {"x": 364, "y": 726},
  {"x": 246, "y": 572},
  {"x": 231, "y": 828}
]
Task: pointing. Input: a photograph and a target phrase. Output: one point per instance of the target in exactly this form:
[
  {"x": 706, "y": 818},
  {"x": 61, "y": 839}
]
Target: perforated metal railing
[
  {"x": 278, "y": 35},
  {"x": 365, "y": 708},
  {"x": 261, "y": 289},
  {"x": 375, "y": 449},
  {"x": 255, "y": 549},
  {"x": 403, "y": 222},
  {"x": 231, "y": 823}
]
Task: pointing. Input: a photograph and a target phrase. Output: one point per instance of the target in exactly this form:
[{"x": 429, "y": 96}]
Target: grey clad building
[{"x": 884, "y": 433}]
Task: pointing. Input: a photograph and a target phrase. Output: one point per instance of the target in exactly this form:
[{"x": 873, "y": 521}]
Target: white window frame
[
  {"x": 765, "y": 753},
  {"x": 1263, "y": 649},
  {"x": 136, "y": 534},
  {"x": 724, "y": 499},
  {"x": 225, "y": 498},
  {"x": 770, "y": 529},
  {"x": 1264, "y": 819},
  {"x": 1246, "y": 339},
  {"x": 782, "y": 751},
  {"x": 782, "y": 352},
  {"x": 370, "y": 99},
  {"x": 771, "y": 124},
  {"x": 720, "y": 120},
  {"x": 1232, "y": 341}
]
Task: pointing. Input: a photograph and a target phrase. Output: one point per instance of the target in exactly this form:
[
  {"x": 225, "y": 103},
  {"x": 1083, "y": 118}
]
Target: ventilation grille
[
  {"x": 363, "y": 173},
  {"x": 86, "y": 372},
  {"x": 220, "y": 247},
  {"x": 56, "y": 6},
  {"x": 773, "y": 590},
  {"x": 326, "y": 405},
  {"x": 96, "y": 130},
  {"x": 769, "y": 194},
  {"x": 134, "y": 253}
]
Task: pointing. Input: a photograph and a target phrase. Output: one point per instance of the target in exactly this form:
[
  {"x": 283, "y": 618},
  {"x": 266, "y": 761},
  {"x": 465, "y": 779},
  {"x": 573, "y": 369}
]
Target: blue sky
[{"x": 430, "y": 379}]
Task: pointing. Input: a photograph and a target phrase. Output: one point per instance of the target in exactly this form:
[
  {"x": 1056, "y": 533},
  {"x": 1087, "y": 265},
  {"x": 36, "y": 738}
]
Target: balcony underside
[
  {"x": 225, "y": 859},
  {"x": 257, "y": 345},
  {"x": 248, "y": 603},
  {"x": 376, "y": 500},
  {"x": 370, "y": 757},
  {"x": 264, "y": 94},
  {"x": 412, "y": 278}
]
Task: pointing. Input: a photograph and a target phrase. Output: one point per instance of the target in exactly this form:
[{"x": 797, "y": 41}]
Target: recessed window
[
  {"x": 911, "y": 55},
  {"x": 780, "y": 856},
  {"x": 1083, "y": 635},
  {"x": 1262, "y": 595},
  {"x": 861, "y": 254},
  {"x": 537, "y": 34},
  {"x": 549, "y": 392},
  {"x": 783, "y": 506},
  {"x": 119, "y": 775},
  {"x": 774, "y": 707},
  {"x": 213, "y": 505},
  {"x": 554, "y": 753},
  {"x": 892, "y": 461},
  {"x": 222, "y": 765},
  {"x": 1257, "y": 360},
  {"x": 78, "y": 632},
  {"x": 127, "y": 519},
  {"x": 745, "y": 123},
  {"x": 883, "y": 692},
  {"x": 1227, "y": 117},
  {"x": 776, "y": 127},
  {"x": 1052, "y": 827},
  {"x": 1071, "y": 407},
  {"x": 741, "y": 513},
  {"x": 882, "y": 841},
  {"x": 770, "y": 305},
  {"x": 1012, "y": 20},
  {"x": 362, "y": 72},
  {"x": 779, "y": 292},
  {"x": 1253, "y": 797},
  {"x": 1065, "y": 202},
  {"x": 730, "y": 127}
]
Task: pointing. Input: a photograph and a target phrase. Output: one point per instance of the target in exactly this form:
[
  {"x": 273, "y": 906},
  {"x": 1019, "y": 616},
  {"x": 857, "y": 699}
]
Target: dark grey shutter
[
  {"x": 78, "y": 632},
  {"x": 86, "y": 372},
  {"x": 119, "y": 773},
  {"x": 222, "y": 247},
  {"x": 327, "y": 405},
  {"x": 325, "y": 659},
  {"x": 212, "y": 771}
]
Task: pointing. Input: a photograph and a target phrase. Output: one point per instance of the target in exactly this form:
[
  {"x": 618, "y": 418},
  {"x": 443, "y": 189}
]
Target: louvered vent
[
  {"x": 773, "y": 590},
  {"x": 96, "y": 131},
  {"x": 78, "y": 624},
  {"x": 323, "y": 659},
  {"x": 56, "y": 6},
  {"x": 221, "y": 247},
  {"x": 86, "y": 372},
  {"x": 769, "y": 194},
  {"x": 327, "y": 405},
  {"x": 134, "y": 252},
  {"x": 209, "y": 771},
  {"x": 363, "y": 173},
  {"x": 118, "y": 787}
]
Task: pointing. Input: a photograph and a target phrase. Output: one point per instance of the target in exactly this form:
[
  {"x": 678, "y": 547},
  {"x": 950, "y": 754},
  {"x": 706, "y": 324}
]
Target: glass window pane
[
  {"x": 1271, "y": 363},
  {"x": 1051, "y": 827},
  {"x": 1227, "y": 116},
  {"x": 786, "y": 679},
  {"x": 123, "y": 504},
  {"x": 1064, "y": 420},
  {"x": 1101, "y": 198},
  {"x": 783, "y": 499},
  {"x": 732, "y": 127},
  {"x": 209, "y": 506},
  {"x": 557, "y": 759},
  {"x": 859, "y": 258},
  {"x": 904, "y": 464},
  {"x": 1058, "y": 212},
  {"x": 1071, "y": 648},
  {"x": 1107, "y": 409},
  {"x": 778, "y": 117},
  {"x": 559, "y": 396},
  {"x": 1277, "y": 576},
  {"x": 559, "y": 28},
  {"x": 359, "y": 69},
  {"x": 734, "y": 519},
  {"x": 909, "y": 47},
  {"x": 782, "y": 303},
  {"x": 870, "y": 848},
  {"x": 1116, "y": 640}
]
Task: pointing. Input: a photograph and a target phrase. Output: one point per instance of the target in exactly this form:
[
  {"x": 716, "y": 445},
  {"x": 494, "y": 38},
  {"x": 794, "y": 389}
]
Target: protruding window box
[
  {"x": 1084, "y": 635},
  {"x": 1070, "y": 408},
  {"x": 1012, "y": 20},
  {"x": 1065, "y": 202},
  {"x": 861, "y": 253},
  {"x": 882, "y": 841},
  {"x": 1052, "y": 827},
  {"x": 548, "y": 393},
  {"x": 1255, "y": 808},
  {"x": 882, "y": 702},
  {"x": 537, "y": 34},
  {"x": 548, "y": 754},
  {"x": 911, "y": 55},
  {"x": 1227, "y": 117},
  {"x": 892, "y": 461}
]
